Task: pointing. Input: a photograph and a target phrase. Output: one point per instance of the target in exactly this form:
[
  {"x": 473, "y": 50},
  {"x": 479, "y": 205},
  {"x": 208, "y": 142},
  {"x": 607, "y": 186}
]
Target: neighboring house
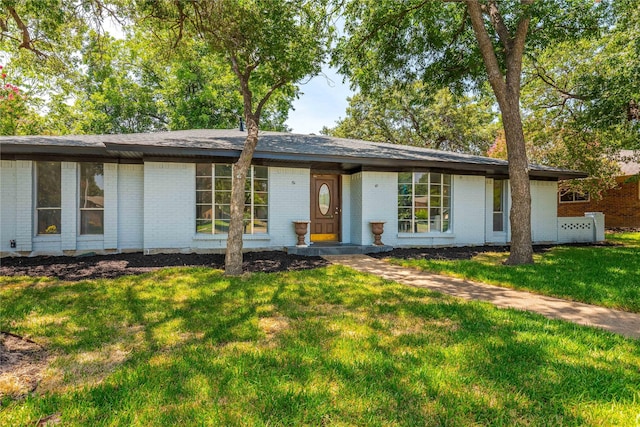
[
  {"x": 170, "y": 191},
  {"x": 620, "y": 205}
]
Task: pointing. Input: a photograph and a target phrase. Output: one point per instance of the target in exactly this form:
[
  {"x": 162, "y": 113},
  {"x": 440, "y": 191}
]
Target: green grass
[
  {"x": 605, "y": 276},
  {"x": 324, "y": 347}
]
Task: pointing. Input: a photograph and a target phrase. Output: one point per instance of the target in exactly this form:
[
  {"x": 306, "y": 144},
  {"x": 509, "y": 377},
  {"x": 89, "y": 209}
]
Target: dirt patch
[
  {"x": 22, "y": 363},
  {"x": 112, "y": 266}
]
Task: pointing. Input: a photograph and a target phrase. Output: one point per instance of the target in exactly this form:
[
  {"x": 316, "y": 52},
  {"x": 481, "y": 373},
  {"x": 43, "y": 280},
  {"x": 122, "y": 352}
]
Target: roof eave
[{"x": 128, "y": 151}]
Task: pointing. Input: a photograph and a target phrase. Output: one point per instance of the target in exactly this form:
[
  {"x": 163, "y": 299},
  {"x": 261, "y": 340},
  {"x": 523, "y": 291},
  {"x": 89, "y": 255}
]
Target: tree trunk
[
  {"x": 506, "y": 87},
  {"x": 520, "y": 214},
  {"x": 233, "y": 256}
]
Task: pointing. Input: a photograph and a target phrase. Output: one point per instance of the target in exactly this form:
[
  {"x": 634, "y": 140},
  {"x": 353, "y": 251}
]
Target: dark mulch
[
  {"x": 112, "y": 266},
  {"x": 116, "y": 265},
  {"x": 467, "y": 252}
]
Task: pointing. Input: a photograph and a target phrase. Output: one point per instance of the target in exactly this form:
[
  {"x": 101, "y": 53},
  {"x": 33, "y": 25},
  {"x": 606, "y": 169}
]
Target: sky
[{"x": 323, "y": 101}]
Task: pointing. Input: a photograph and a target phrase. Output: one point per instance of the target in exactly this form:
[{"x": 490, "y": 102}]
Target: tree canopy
[
  {"x": 413, "y": 115},
  {"x": 79, "y": 79}
]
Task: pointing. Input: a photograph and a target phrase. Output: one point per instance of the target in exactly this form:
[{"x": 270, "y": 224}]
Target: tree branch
[
  {"x": 496, "y": 79},
  {"x": 492, "y": 10},
  {"x": 521, "y": 32},
  {"x": 549, "y": 81},
  {"x": 265, "y": 98},
  {"x": 27, "y": 41}
]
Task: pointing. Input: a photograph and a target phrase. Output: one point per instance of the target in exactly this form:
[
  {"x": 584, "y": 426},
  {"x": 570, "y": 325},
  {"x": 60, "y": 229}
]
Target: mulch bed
[
  {"x": 116, "y": 265},
  {"x": 466, "y": 252}
]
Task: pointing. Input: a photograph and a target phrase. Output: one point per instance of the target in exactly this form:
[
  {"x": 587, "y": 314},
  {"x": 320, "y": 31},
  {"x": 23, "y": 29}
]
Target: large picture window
[
  {"x": 424, "y": 202},
  {"x": 91, "y": 198},
  {"x": 48, "y": 197},
  {"x": 213, "y": 199}
]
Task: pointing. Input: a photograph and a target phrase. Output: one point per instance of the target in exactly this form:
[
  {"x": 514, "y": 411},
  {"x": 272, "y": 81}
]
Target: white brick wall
[
  {"x": 24, "y": 205},
  {"x": 289, "y": 200},
  {"x": 7, "y": 204},
  {"x": 169, "y": 205},
  {"x": 468, "y": 209},
  {"x": 356, "y": 208},
  {"x": 576, "y": 229},
  {"x": 152, "y": 206},
  {"x": 379, "y": 203},
  {"x": 346, "y": 209},
  {"x": 544, "y": 211},
  {"x": 110, "y": 237},
  {"x": 130, "y": 207},
  {"x": 69, "y": 221},
  {"x": 467, "y": 217}
]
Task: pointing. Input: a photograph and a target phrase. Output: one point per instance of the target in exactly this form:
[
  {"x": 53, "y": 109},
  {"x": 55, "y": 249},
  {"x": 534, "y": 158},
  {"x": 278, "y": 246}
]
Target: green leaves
[{"x": 416, "y": 114}]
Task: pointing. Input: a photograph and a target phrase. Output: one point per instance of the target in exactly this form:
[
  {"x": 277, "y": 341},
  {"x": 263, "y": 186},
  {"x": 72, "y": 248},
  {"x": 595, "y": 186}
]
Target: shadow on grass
[
  {"x": 341, "y": 348},
  {"x": 604, "y": 275}
]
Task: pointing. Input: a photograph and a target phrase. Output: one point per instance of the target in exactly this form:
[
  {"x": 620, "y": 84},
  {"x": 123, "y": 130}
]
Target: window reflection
[
  {"x": 213, "y": 199},
  {"x": 424, "y": 202},
  {"x": 91, "y": 198}
]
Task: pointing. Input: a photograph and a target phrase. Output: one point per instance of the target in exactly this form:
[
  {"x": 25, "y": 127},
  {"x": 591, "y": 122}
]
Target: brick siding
[{"x": 620, "y": 205}]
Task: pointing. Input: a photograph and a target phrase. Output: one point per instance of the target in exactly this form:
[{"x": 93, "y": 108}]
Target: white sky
[{"x": 322, "y": 103}]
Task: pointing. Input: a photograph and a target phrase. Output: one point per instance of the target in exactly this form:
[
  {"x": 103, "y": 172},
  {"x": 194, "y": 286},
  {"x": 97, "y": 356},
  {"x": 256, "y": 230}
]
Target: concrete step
[{"x": 346, "y": 249}]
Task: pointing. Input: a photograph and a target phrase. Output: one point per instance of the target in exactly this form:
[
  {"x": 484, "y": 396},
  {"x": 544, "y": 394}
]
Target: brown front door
[{"x": 325, "y": 208}]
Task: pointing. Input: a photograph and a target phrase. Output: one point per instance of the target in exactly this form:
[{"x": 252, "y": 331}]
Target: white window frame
[
  {"x": 248, "y": 222},
  {"x": 503, "y": 201},
  {"x": 428, "y": 207},
  {"x": 573, "y": 198},
  {"x": 38, "y": 209},
  {"x": 80, "y": 208}
]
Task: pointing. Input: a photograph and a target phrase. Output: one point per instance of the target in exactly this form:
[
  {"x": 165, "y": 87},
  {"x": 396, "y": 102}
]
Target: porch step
[{"x": 346, "y": 249}]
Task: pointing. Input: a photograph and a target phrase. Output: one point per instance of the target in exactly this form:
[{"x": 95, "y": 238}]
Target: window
[
  {"x": 213, "y": 199},
  {"x": 91, "y": 198},
  {"x": 498, "y": 204},
  {"x": 48, "y": 197},
  {"x": 424, "y": 202},
  {"x": 573, "y": 196}
]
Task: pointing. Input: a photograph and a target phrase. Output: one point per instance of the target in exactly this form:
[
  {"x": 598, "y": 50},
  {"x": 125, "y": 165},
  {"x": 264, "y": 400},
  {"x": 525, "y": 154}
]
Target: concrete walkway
[{"x": 620, "y": 322}]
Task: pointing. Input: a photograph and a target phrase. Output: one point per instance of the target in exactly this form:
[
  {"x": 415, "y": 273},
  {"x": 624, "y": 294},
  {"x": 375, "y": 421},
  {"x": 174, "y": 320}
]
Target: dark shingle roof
[{"x": 273, "y": 147}]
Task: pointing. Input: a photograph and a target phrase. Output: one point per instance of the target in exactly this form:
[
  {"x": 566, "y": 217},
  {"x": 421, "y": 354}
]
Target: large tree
[
  {"x": 269, "y": 45},
  {"x": 76, "y": 78},
  {"x": 581, "y": 101},
  {"x": 462, "y": 43},
  {"x": 420, "y": 115}
]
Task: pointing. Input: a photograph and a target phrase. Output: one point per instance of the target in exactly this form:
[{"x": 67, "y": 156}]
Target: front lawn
[
  {"x": 608, "y": 276},
  {"x": 330, "y": 346}
]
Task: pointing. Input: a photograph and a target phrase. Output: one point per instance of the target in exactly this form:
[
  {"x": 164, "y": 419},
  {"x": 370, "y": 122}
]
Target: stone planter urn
[
  {"x": 377, "y": 228},
  {"x": 300, "y": 228}
]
